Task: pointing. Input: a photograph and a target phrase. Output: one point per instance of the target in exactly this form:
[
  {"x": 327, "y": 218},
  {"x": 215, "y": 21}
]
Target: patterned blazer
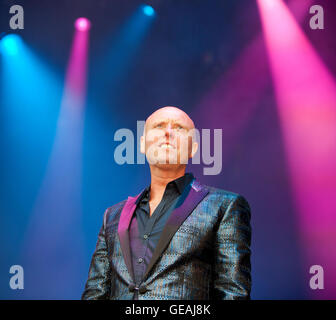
[{"x": 203, "y": 252}]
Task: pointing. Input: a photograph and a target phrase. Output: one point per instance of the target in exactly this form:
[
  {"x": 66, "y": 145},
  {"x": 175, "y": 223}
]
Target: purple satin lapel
[
  {"x": 126, "y": 214},
  {"x": 124, "y": 222}
]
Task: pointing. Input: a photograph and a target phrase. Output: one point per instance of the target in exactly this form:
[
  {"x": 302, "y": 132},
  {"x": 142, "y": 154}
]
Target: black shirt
[{"x": 145, "y": 230}]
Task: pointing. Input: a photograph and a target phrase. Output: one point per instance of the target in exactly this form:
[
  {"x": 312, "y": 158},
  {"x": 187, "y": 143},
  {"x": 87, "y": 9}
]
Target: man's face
[{"x": 168, "y": 137}]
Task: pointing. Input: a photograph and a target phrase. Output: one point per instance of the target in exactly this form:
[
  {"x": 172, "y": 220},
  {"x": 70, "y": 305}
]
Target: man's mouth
[{"x": 166, "y": 145}]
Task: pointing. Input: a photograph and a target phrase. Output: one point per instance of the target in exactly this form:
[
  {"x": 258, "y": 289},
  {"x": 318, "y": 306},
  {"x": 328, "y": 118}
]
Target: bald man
[{"x": 177, "y": 239}]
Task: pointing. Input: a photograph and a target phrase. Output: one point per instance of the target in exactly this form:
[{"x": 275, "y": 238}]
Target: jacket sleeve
[
  {"x": 97, "y": 286},
  {"x": 232, "y": 270}
]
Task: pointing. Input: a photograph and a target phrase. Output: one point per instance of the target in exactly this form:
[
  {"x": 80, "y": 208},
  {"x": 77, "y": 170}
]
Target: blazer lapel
[
  {"x": 124, "y": 222},
  {"x": 190, "y": 198}
]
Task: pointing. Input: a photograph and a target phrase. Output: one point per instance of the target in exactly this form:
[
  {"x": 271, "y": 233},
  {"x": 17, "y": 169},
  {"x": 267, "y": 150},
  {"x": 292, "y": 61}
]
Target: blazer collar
[{"x": 191, "y": 197}]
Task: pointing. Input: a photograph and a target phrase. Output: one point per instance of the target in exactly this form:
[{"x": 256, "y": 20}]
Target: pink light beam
[{"x": 306, "y": 98}]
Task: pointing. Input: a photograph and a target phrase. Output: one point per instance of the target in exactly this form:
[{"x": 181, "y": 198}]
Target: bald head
[{"x": 169, "y": 114}]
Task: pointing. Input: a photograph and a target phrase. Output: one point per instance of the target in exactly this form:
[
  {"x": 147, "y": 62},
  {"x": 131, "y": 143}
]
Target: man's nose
[{"x": 169, "y": 130}]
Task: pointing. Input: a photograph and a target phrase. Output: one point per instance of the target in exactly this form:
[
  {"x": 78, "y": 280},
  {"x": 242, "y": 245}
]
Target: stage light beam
[
  {"x": 306, "y": 100},
  {"x": 148, "y": 10},
  {"x": 60, "y": 192}
]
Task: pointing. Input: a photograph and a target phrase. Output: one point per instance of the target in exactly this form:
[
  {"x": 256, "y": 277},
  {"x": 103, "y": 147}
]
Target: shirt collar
[{"x": 180, "y": 184}]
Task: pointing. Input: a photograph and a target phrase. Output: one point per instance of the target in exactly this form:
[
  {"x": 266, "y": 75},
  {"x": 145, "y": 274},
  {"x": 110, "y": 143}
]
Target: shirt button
[
  {"x": 145, "y": 236},
  {"x": 140, "y": 260}
]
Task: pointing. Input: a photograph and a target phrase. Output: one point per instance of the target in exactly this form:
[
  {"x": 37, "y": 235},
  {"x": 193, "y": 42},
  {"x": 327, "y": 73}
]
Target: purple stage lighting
[{"x": 82, "y": 24}]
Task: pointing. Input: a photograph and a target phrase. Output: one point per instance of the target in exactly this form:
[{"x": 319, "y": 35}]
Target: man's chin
[{"x": 166, "y": 166}]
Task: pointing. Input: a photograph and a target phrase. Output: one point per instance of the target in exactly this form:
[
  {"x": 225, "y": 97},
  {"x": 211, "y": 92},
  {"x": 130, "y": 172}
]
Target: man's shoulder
[
  {"x": 113, "y": 210},
  {"x": 116, "y": 206},
  {"x": 224, "y": 196},
  {"x": 218, "y": 192}
]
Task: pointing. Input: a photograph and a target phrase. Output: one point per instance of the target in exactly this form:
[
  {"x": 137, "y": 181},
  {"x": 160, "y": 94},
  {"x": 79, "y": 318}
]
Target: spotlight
[
  {"x": 82, "y": 24},
  {"x": 10, "y": 43},
  {"x": 148, "y": 10}
]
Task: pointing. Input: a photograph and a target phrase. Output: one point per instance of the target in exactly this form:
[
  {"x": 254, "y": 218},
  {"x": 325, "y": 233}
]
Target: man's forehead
[{"x": 171, "y": 114}]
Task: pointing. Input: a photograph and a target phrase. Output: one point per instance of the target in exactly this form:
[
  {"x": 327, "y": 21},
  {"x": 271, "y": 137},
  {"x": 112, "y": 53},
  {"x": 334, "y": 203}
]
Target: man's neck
[{"x": 160, "y": 178}]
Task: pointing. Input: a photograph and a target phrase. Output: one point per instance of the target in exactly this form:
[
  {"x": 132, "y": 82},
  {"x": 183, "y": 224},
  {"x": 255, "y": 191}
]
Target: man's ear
[
  {"x": 142, "y": 144},
  {"x": 193, "y": 149}
]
